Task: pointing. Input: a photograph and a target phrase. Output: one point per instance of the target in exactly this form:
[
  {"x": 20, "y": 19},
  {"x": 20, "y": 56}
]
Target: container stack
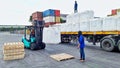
[
  {"x": 12, "y": 51},
  {"x": 51, "y": 17},
  {"x": 37, "y": 16},
  {"x": 114, "y": 12},
  {"x": 57, "y": 16},
  {"x": 118, "y": 11}
]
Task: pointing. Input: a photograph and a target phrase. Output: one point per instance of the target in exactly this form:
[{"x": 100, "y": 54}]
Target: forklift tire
[
  {"x": 33, "y": 46},
  {"x": 43, "y": 45}
]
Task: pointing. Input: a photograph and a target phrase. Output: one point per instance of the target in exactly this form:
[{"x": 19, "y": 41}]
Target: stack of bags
[
  {"x": 52, "y": 33},
  {"x": 13, "y": 51}
]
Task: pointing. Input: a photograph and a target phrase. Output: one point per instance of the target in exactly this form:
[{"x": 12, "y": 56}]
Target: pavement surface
[{"x": 95, "y": 56}]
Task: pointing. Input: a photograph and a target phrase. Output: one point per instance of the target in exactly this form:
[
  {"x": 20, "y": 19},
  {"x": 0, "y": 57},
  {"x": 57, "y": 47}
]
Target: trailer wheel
[
  {"x": 118, "y": 44},
  {"x": 107, "y": 44}
]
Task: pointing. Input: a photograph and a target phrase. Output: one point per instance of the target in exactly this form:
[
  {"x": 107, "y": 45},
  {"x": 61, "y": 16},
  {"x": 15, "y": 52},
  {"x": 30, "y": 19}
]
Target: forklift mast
[{"x": 38, "y": 25}]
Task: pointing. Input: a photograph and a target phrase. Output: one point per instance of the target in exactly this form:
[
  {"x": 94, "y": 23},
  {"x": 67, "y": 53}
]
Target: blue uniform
[
  {"x": 82, "y": 46},
  {"x": 81, "y": 41},
  {"x": 75, "y": 7}
]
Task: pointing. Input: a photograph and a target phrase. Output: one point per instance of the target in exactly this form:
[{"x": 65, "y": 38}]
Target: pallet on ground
[{"x": 62, "y": 56}]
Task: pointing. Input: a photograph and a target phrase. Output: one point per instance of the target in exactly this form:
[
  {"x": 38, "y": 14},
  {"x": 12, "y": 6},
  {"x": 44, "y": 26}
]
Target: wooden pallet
[
  {"x": 14, "y": 45},
  {"x": 62, "y": 57},
  {"x": 14, "y": 57},
  {"x": 13, "y": 51}
]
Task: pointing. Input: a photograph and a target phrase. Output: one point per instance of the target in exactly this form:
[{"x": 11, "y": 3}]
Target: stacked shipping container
[
  {"x": 114, "y": 12},
  {"x": 51, "y": 17},
  {"x": 37, "y": 16}
]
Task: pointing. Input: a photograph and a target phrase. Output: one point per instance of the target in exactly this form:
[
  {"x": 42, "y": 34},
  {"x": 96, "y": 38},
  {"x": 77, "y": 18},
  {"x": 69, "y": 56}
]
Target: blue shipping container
[{"x": 49, "y": 12}]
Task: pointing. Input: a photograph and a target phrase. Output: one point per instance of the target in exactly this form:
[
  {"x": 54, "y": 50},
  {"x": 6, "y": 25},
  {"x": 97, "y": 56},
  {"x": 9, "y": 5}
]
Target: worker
[
  {"x": 81, "y": 46},
  {"x": 32, "y": 33},
  {"x": 75, "y": 7}
]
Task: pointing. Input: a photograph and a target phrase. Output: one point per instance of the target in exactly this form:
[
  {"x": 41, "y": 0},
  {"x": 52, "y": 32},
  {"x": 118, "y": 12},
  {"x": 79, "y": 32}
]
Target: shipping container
[
  {"x": 47, "y": 24},
  {"x": 49, "y": 19},
  {"x": 49, "y": 12},
  {"x": 37, "y": 18},
  {"x": 37, "y": 14},
  {"x": 57, "y": 22},
  {"x": 57, "y": 13},
  {"x": 114, "y": 12},
  {"x": 57, "y": 19},
  {"x": 118, "y": 11}
]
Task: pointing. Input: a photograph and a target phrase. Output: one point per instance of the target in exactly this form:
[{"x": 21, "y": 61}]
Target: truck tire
[
  {"x": 108, "y": 44},
  {"x": 33, "y": 46},
  {"x": 118, "y": 44}
]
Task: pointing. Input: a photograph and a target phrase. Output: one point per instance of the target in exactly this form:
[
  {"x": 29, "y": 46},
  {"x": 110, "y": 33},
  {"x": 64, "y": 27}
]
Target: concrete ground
[{"x": 95, "y": 57}]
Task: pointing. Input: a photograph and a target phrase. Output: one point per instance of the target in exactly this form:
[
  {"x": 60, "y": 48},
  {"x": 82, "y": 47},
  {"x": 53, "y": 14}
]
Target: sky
[{"x": 17, "y": 12}]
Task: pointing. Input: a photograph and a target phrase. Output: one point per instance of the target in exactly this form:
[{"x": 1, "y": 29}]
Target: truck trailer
[{"x": 106, "y": 31}]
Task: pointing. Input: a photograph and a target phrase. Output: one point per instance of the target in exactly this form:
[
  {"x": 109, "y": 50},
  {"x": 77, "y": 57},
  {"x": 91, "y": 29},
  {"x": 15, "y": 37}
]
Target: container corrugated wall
[
  {"x": 51, "y": 17},
  {"x": 57, "y": 13},
  {"x": 49, "y": 12},
  {"x": 37, "y": 16},
  {"x": 57, "y": 19},
  {"x": 118, "y": 11},
  {"x": 114, "y": 11}
]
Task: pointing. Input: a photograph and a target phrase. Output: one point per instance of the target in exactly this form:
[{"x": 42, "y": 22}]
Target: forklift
[{"x": 33, "y": 41}]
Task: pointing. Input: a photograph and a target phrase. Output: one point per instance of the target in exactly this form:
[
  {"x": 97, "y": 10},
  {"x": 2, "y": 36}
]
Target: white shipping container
[
  {"x": 85, "y": 26},
  {"x": 49, "y": 19},
  {"x": 109, "y": 24},
  {"x": 96, "y": 24}
]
